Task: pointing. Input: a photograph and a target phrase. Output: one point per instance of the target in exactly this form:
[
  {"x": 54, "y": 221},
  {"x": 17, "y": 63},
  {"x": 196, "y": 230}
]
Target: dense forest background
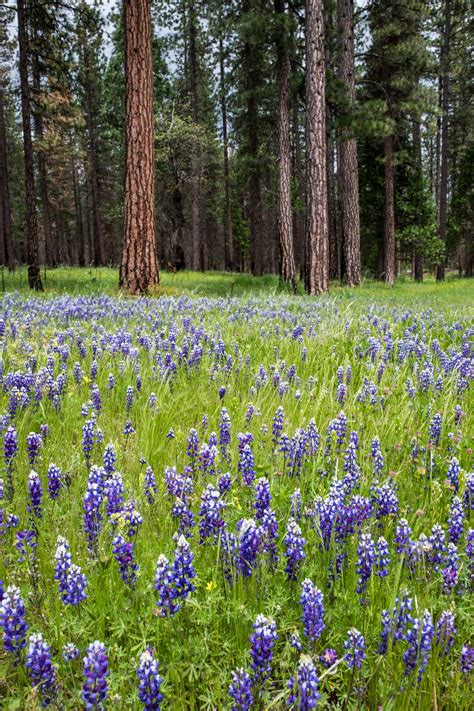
[{"x": 230, "y": 94}]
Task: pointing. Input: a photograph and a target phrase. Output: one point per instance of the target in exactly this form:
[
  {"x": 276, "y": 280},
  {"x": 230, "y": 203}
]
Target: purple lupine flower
[
  {"x": 224, "y": 431},
  {"x": 419, "y": 638},
  {"x": 351, "y": 468},
  {"x": 33, "y": 444},
  {"x": 210, "y": 514},
  {"x": 110, "y": 381},
  {"x": 262, "y": 641},
  {"x": 263, "y": 497},
  {"x": 164, "y": 587},
  {"x": 10, "y": 446},
  {"x": 35, "y": 493},
  {"x": 453, "y": 473},
  {"x": 109, "y": 458},
  {"x": 114, "y": 493},
  {"x": 95, "y": 689},
  {"x": 240, "y": 691},
  {"x": 312, "y": 610},
  {"x": 26, "y": 543},
  {"x": 365, "y": 561},
  {"x": 296, "y": 505},
  {"x": 445, "y": 631},
  {"x": 249, "y": 544},
  {"x": 277, "y": 425},
  {"x": 182, "y": 512},
  {"x": 304, "y": 691},
  {"x": 403, "y": 537},
  {"x": 129, "y": 398},
  {"x": 379, "y": 462},
  {"x": 247, "y": 465},
  {"x": 96, "y": 398},
  {"x": 384, "y": 499},
  {"x": 88, "y": 438},
  {"x": 92, "y": 502},
  {"x": 294, "y": 553},
  {"x": 466, "y": 660},
  {"x": 470, "y": 550},
  {"x": 396, "y": 624},
  {"x": 437, "y": 542},
  {"x": 382, "y": 557},
  {"x": 468, "y": 498},
  {"x": 63, "y": 558},
  {"x": 55, "y": 480},
  {"x": 129, "y": 430},
  {"x": 12, "y": 620},
  {"x": 355, "y": 649},
  {"x": 150, "y": 485},
  {"x": 341, "y": 393},
  {"x": 130, "y": 519},
  {"x": 328, "y": 657},
  {"x": 124, "y": 555},
  {"x": 70, "y": 652},
  {"x": 40, "y": 668},
  {"x": 269, "y": 536},
  {"x": 44, "y": 431},
  {"x": 250, "y": 412},
  {"x": 225, "y": 482},
  {"x": 434, "y": 429},
  {"x": 74, "y": 586},
  {"x": 150, "y": 681},
  {"x": 193, "y": 445},
  {"x": 182, "y": 569},
  {"x": 295, "y": 641},
  {"x": 456, "y": 520}
]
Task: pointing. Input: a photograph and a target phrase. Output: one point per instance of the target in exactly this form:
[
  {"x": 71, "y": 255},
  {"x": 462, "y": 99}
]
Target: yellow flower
[{"x": 211, "y": 585}]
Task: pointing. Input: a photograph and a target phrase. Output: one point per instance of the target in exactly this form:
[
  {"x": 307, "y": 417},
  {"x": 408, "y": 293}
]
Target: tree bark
[
  {"x": 298, "y": 216},
  {"x": 331, "y": 187},
  {"x": 348, "y": 166},
  {"x": 417, "y": 257},
  {"x": 443, "y": 180},
  {"x": 228, "y": 236},
  {"x": 49, "y": 252},
  {"x": 389, "y": 215},
  {"x": 317, "y": 277},
  {"x": 197, "y": 261},
  {"x": 139, "y": 265},
  {"x": 79, "y": 224},
  {"x": 284, "y": 215},
  {"x": 34, "y": 274},
  {"x": 6, "y": 243},
  {"x": 97, "y": 225}
]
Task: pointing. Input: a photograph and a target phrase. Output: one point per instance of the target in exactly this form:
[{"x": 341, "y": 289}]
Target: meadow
[{"x": 228, "y": 497}]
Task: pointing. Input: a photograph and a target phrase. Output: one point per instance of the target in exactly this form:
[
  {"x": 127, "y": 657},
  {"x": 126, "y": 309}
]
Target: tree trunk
[
  {"x": 80, "y": 242},
  {"x": 417, "y": 257},
  {"x": 97, "y": 225},
  {"x": 284, "y": 216},
  {"x": 389, "y": 216},
  {"x": 34, "y": 274},
  {"x": 49, "y": 251},
  {"x": 331, "y": 186},
  {"x": 443, "y": 180},
  {"x": 6, "y": 244},
  {"x": 298, "y": 216},
  {"x": 197, "y": 262},
  {"x": 228, "y": 236},
  {"x": 348, "y": 167},
  {"x": 317, "y": 277},
  {"x": 139, "y": 265}
]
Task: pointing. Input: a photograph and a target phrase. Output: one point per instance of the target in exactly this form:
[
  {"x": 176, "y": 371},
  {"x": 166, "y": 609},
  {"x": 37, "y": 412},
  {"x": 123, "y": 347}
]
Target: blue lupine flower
[
  {"x": 328, "y": 658},
  {"x": 224, "y": 430},
  {"x": 445, "y": 631},
  {"x": 296, "y": 505},
  {"x": 402, "y": 537},
  {"x": 164, "y": 587},
  {"x": 247, "y": 465},
  {"x": 277, "y": 425},
  {"x": 70, "y": 652},
  {"x": 55, "y": 480},
  {"x": 294, "y": 553},
  {"x": 129, "y": 398},
  {"x": 124, "y": 555},
  {"x": 40, "y": 668},
  {"x": 437, "y": 542},
  {"x": 33, "y": 444},
  {"x": 96, "y": 398},
  {"x": 150, "y": 485},
  {"x": 396, "y": 624},
  {"x": 304, "y": 692},
  {"x": 355, "y": 648},
  {"x": 419, "y": 638},
  {"x": 435, "y": 429},
  {"x": 210, "y": 513},
  {"x": 10, "y": 446},
  {"x": 149, "y": 681},
  {"x": 453, "y": 473},
  {"x": 35, "y": 492},
  {"x": 109, "y": 458},
  {"x": 466, "y": 660},
  {"x": 114, "y": 493},
  {"x": 75, "y": 585},
  {"x": 224, "y": 483},
  {"x": 263, "y": 497},
  {"x": 456, "y": 520},
  {"x": 262, "y": 641},
  {"x": 240, "y": 691},
  {"x": 182, "y": 570},
  {"x": 249, "y": 544},
  {"x": 382, "y": 557},
  {"x": 312, "y": 610},
  {"x": 95, "y": 689},
  {"x": 129, "y": 430},
  {"x": 365, "y": 561},
  {"x": 88, "y": 437},
  {"x": 92, "y": 502},
  {"x": 12, "y": 620},
  {"x": 26, "y": 543}
]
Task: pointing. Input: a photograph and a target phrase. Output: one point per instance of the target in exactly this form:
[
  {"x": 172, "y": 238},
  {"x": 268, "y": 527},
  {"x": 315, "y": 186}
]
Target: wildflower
[
  {"x": 355, "y": 648},
  {"x": 128, "y": 429},
  {"x": 55, "y": 480},
  {"x": 247, "y": 465},
  {"x": 26, "y": 544},
  {"x": 249, "y": 542},
  {"x": 453, "y": 473},
  {"x": 95, "y": 689},
  {"x": 149, "y": 681},
  {"x": 164, "y": 588},
  {"x": 466, "y": 661},
  {"x": 75, "y": 585},
  {"x": 33, "y": 444},
  {"x": 312, "y": 604},
  {"x": 382, "y": 557},
  {"x": 445, "y": 631},
  {"x": 211, "y": 521},
  {"x": 40, "y": 669},
  {"x": 35, "y": 491},
  {"x": 240, "y": 691},
  {"x": 456, "y": 520},
  {"x": 365, "y": 561},
  {"x": 403, "y": 537},
  {"x": 224, "y": 430},
  {"x": 12, "y": 620},
  {"x": 224, "y": 483},
  {"x": 150, "y": 485},
  {"x": 263, "y": 497},
  {"x": 124, "y": 555},
  {"x": 328, "y": 658},
  {"x": 294, "y": 553},
  {"x": 304, "y": 692},
  {"x": 70, "y": 652},
  {"x": 435, "y": 429},
  {"x": 262, "y": 641},
  {"x": 109, "y": 458},
  {"x": 277, "y": 425},
  {"x": 419, "y": 638}
]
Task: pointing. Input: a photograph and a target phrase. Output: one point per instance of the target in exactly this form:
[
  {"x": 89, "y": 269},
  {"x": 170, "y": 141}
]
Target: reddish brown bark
[
  {"x": 6, "y": 245},
  {"x": 228, "y": 236},
  {"x": 139, "y": 265},
  {"x": 389, "y": 215},
  {"x": 443, "y": 174}
]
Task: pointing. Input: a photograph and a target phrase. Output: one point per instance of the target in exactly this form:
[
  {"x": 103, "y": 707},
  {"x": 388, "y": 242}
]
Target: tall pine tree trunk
[
  {"x": 331, "y": 190},
  {"x": 228, "y": 236},
  {"x": 443, "y": 177},
  {"x": 139, "y": 265},
  {"x": 348, "y": 167},
  {"x": 6, "y": 244},
  {"x": 32, "y": 256},
  {"x": 389, "y": 214},
  {"x": 317, "y": 276},
  {"x": 79, "y": 223},
  {"x": 417, "y": 257},
  {"x": 298, "y": 215},
  {"x": 284, "y": 215},
  {"x": 97, "y": 225},
  {"x": 197, "y": 247}
]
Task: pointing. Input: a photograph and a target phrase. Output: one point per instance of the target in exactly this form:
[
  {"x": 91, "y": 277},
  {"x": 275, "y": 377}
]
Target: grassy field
[{"x": 335, "y": 419}]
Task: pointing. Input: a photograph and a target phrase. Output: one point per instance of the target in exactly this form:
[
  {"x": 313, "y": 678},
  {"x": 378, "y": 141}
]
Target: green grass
[{"x": 209, "y": 637}]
